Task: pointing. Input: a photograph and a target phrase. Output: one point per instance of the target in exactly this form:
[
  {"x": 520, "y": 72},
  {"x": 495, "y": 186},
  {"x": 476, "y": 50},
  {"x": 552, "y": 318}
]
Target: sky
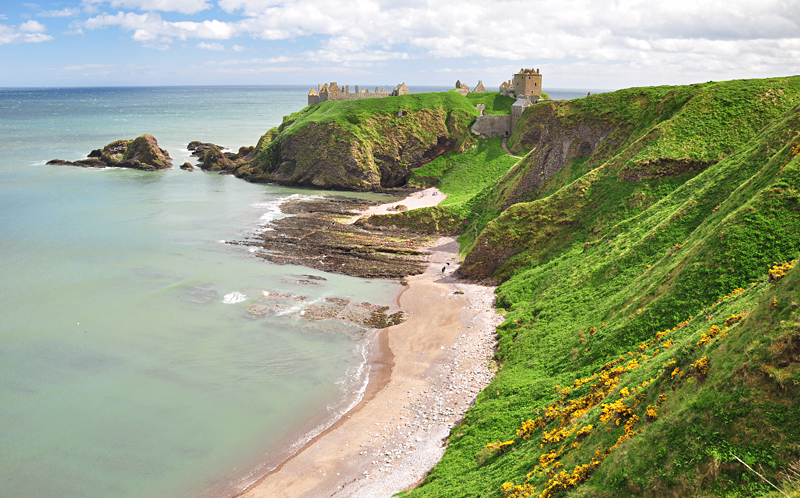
[{"x": 595, "y": 44}]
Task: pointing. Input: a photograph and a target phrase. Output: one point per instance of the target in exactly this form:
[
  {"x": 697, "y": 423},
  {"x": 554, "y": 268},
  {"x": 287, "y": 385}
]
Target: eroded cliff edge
[{"x": 367, "y": 145}]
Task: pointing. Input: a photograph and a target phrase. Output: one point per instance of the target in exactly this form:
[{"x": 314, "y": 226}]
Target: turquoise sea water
[{"x": 123, "y": 373}]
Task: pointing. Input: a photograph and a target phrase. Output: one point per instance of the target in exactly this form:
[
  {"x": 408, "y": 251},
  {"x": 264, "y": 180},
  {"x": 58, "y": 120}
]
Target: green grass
[
  {"x": 461, "y": 176},
  {"x": 594, "y": 265},
  {"x": 495, "y": 102},
  {"x": 352, "y": 115}
]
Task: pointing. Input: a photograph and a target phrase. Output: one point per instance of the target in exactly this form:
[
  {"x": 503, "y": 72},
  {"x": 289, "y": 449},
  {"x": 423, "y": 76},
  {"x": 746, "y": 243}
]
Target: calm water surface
[{"x": 123, "y": 372}]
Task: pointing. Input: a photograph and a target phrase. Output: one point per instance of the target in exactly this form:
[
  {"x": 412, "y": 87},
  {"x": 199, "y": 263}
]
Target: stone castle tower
[{"x": 528, "y": 82}]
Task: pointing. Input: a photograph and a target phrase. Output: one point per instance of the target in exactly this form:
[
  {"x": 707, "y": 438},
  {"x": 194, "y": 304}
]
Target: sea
[{"x": 131, "y": 364}]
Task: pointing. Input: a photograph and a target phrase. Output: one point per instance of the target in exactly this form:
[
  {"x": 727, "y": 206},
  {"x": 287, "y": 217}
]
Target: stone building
[
  {"x": 332, "y": 91},
  {"x": 518, "y": 107},
  {"x": 527, "y": 82},
  {"x": 479, "y": 88}
]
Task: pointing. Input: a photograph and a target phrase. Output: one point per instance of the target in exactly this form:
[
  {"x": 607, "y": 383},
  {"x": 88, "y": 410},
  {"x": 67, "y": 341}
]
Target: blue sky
[{"x": 575, "y": 43}]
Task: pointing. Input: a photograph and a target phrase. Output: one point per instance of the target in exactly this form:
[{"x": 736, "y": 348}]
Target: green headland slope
[
  {"x": 369, "y": 144},
  {"x": 644, "y": 245},
  {"x": 651, "y": 336}
]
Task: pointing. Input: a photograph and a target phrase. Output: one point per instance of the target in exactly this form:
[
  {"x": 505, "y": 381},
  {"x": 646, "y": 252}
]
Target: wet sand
[{"x": 424, "y": 374}]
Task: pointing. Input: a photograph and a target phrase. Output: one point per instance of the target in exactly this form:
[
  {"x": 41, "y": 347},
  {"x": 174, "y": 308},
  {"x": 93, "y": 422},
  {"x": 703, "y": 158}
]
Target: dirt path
[{"x": 505, "y": 148}]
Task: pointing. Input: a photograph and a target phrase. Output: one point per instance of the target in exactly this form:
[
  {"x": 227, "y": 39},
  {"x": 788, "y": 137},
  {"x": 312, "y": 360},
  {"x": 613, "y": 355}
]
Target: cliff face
[
  {"x": 371, "y": 144},
  {"x": 555, "y": 141},
  {"x": 327, "y": 155},
  {"x": 596, "y": 161}
]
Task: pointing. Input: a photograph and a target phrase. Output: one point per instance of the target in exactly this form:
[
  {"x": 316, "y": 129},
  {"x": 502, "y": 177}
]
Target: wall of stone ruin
[{"x": 489, "y": 126}]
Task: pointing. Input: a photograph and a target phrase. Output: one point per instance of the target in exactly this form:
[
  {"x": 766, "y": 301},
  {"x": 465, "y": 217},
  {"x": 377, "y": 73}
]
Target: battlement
[{"x": 332, "y": 91}]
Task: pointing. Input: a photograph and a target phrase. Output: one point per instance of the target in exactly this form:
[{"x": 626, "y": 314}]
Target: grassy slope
[
  {"x": 461, "y": 176},
  {"x": 664, "y": 132},
  {"x": 654, "y": 263},
  {"x": 495, "y": 102},
  {"x": 352, "y": 115}
]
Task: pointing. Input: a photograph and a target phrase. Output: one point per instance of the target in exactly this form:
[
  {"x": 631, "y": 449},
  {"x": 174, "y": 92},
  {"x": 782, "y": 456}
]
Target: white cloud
[
  {"x": 27, "y": 32},
  {"x": 3, "y": 16},
  {"x": 238, "y": 48},
  {"x": 153, "y": 31},
  {"x": 725, "y": 35},
  {"x": 83, "y": 67},
  {"x": 182, "y": 6},
  {"x": 255, "y": 61},
  {"x": 59, "y": 13},
  {"x": 211, "y": 46}
]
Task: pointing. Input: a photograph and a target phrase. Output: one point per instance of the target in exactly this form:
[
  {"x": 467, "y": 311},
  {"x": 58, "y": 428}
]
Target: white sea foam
[
  {"x": 273, "y": 208},
  {"x": 234, "y": 297},
  {"x": 297, "y": 308}
]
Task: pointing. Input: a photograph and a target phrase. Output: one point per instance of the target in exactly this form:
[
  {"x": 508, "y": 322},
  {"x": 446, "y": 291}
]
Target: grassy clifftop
[
  {"x": 651, "y": 334},
  {"x": 366, "y": 144}
]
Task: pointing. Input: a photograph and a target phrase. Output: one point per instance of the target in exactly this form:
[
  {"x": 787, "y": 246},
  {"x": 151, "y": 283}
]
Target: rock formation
[{"x": 141, "y": 153}]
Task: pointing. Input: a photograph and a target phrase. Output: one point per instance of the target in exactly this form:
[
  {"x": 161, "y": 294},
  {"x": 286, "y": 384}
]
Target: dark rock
[
  {"x": 215, "y": 160},
  {"x": 59, "y": 162},
  {"x": 199, "y": 149},
  {"x": 113, "y": 152},
  {"x": 187, "y": 166},
  {"x": 92, "y": 162},
  {"x": 144, "y": 153},
  {"x": 140, "y": 153}
]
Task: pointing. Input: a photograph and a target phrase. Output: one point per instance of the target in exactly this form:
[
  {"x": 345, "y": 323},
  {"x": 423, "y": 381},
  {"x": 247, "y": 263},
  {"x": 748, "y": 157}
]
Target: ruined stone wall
[
  {"x": 334, "y": 92},
  {"x": 489, "y": 126},
  {"x": 516, "y": 113}
]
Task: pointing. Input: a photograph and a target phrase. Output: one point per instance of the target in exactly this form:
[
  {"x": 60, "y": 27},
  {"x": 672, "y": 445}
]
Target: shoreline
[{"x": 421, "y": 366}]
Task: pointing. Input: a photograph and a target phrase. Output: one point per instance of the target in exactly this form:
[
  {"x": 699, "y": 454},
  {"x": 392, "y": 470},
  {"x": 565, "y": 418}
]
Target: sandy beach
[
  {"x": 424, "y": 375},
  {"x": 424, "y": 198}
]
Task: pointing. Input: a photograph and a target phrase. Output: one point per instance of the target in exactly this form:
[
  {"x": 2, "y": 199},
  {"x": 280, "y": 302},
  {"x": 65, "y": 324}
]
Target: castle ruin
[
  {"x": 526, "y": 88},
  {"x": 332, "y": 91},
  {"x": 526, "y": 83}
]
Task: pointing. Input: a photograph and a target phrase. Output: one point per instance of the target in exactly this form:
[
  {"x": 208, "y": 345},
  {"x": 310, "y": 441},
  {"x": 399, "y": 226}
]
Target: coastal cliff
[
  {"x": 365, "y": 145},
  {"x": 645, "y": 244}
]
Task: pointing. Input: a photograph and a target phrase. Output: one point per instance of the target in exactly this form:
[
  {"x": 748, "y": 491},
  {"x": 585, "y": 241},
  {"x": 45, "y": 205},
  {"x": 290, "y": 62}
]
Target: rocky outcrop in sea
[{"x": 141, "y": 153}]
